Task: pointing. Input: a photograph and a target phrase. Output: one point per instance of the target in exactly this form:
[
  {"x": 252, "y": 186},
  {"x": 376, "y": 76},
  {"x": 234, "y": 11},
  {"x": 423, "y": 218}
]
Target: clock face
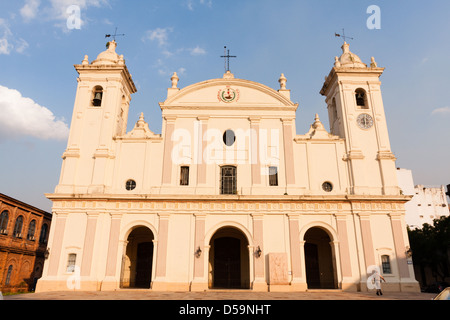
[{"x": 364, "y": 121}]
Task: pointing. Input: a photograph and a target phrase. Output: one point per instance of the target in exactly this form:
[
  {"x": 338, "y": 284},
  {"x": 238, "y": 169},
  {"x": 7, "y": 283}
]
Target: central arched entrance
[
  {"x": 229, "y": 262},
  {"x": 138, "y": 259},
  {"x": 319, "y": 261}
]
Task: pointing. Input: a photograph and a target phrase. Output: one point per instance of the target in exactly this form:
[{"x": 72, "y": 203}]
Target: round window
[
  {"x": 130, "y": 185},
  {"x": 327, "y": 187},
  {"x": 229, "y": 138}
]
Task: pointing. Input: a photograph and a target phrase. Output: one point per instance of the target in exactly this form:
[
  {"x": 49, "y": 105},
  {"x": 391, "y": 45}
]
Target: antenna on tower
[{"x": 343, "y": 36}]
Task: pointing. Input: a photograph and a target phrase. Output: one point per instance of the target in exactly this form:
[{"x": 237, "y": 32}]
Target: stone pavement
[{"x": 232, "y": 295}]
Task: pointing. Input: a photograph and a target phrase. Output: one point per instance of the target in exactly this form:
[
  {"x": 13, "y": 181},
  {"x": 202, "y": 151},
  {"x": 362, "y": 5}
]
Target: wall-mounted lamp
[
  {"x": 258, "y": 252},
  {"x": 198, "y": 252}
]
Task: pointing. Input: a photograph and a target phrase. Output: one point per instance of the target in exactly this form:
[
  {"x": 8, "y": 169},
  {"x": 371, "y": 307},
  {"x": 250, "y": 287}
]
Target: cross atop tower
[
  {"x": 227, "y": 59},
  {"x": 114, "y": 35},
  {"x": 343, "y": 36}
]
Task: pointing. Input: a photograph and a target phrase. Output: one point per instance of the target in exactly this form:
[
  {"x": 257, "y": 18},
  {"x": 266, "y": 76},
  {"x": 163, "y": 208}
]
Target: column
[
  {"x": 200, "y": 148},
  {"x": 400, "y": 247},
  {"x": 88, "y": 249},
  {"x": 259, "y": 283},
  {"x": 296, "y": 261},
  {"x": 344, "y": 250},
  {"x": 161, "y": 259},
  {"x": 168, "y": 147},
  {"x": 254, "y": 150},
  {"x": 288, "y": 150},
  {"x": 111, "y": 282},
  {"x": 57, "y": 242},
  {"x": 200, "y": 282},
  {"x": 369, "y": 253}
]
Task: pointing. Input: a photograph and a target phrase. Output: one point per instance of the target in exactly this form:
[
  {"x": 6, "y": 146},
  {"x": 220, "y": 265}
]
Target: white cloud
[
  {"x": 21, "y": 45},
  {"x": 206, "y": 2},
  {"x": 168, "y": 73},
  {"x": 191, "y": 3},
  {"x": 445, "y": 110},
  {"x": 161, "y": 35},
  {"x": 30, "y": 9},
  {"x": 7, "y": 42},
  {"x": 5, "y": 46},
  {"x": 197, "y": 51},
  {"x": 20, "y": 116}
]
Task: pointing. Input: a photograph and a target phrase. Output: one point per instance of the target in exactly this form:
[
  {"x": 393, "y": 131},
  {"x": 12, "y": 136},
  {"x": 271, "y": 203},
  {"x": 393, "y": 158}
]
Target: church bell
[{"x": 97, "y": 99}]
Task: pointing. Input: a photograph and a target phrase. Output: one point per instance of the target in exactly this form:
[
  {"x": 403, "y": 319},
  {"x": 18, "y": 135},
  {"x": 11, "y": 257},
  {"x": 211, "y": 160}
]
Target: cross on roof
[
  {"x": 227, "y": 59},
  {"x": 343, "y": 36},
  {"x": 114, "y": 35}
]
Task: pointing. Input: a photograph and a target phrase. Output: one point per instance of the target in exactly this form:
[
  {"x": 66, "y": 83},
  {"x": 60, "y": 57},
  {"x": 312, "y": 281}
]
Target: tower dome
[
  {"x": 109, "y": 56},
  {"x": 349, "y": 59}
]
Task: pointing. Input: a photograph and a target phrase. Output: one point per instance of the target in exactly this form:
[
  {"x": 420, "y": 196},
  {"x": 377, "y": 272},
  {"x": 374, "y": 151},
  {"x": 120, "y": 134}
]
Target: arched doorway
[
  {"x": 138, "y": 259},
  {"x": 319, "y": 261},
  {"x": 229, "y": 262}
]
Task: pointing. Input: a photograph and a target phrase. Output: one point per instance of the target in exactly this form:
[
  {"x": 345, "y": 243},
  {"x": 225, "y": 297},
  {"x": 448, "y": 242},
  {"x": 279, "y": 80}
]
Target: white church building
[{"x": 228, "y": 196}]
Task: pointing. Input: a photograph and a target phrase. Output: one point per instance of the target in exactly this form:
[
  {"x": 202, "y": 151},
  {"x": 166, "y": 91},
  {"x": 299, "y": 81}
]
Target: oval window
[{"x": 229, "y": 138}]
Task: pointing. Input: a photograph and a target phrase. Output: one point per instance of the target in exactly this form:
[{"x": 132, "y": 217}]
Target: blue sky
[{"x": 38, "y": 81}]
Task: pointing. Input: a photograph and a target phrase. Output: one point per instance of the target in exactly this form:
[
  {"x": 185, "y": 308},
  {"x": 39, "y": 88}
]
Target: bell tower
[
  {"x": 100, "y": 115},
  {"x": 356, "y": 114}
]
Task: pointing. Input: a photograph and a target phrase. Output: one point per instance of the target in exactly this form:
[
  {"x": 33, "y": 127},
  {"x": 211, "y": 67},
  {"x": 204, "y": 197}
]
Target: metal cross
[
  {"x": 343, "y": 36},
  {"x": 227, "y": 59},
  {"x": 114, "y": 35}
]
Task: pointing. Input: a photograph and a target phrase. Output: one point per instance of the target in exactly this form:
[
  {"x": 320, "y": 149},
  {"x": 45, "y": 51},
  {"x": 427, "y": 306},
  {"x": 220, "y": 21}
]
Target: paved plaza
[{"x": 221, "y": 295}]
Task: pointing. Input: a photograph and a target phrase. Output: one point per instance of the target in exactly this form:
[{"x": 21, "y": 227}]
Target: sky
[{"x": 41, "y": 40}]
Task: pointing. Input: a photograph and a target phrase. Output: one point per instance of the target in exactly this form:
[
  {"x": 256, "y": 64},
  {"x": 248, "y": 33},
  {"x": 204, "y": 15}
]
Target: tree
[{"x": 431, "y": 247}]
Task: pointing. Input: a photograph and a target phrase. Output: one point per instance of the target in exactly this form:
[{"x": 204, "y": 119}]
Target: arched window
[
  {"x": 8, "y": 275},
  {"x": 228, "y": 180},
  {"x": 31, "y": 230},
  {"x": 386, "y": 264},
  {"x": 43, "y": 236},
  {"x": 361, "y": 98},
  {"x": 4, "y": 218},
  {"x": 18, "y": 227},
  {"x": 97, "y": 96}
]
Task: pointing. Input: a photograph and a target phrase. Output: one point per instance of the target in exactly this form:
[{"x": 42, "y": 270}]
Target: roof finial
[
  {"x": 141, "y": 121},
  {"x": 373, "y": 64},
  {"x": 86, "y": 60},
  {"x": 282, "y": 82},
  {"x": 174, "y": 80},
  {"x": 337, "y": 63}
]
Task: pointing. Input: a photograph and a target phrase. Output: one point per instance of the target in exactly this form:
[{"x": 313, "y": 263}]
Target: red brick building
[{"x": 24, "y": 232}]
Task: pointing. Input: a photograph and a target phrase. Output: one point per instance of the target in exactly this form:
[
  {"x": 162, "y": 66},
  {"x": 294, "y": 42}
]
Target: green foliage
[{"x": 431, "y": 246}]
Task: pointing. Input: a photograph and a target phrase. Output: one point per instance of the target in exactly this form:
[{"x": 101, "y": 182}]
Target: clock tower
[{"x": 356, "y": 114}]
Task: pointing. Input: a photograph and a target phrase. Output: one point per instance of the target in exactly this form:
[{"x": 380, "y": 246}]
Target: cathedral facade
[{"x": 229, "y": 196}]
